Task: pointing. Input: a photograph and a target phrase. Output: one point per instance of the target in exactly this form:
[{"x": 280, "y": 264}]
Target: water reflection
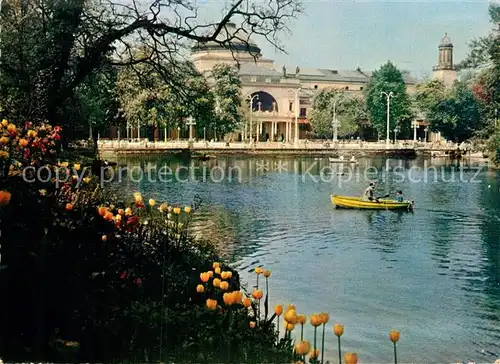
[{"x": 434, "y": 274}]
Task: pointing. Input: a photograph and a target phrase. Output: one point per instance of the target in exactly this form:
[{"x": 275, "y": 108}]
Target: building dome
[
  {"x": 446, "y": 41},
  {"x": 234, "y": 45}
]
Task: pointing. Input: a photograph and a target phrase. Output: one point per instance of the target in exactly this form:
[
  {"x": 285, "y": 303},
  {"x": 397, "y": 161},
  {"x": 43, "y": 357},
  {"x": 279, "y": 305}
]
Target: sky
[{"x": 349, "y": 34}]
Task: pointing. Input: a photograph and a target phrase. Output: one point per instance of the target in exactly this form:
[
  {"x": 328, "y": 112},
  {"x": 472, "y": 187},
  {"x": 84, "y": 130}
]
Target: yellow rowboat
[{"x": 351, "y": 202}]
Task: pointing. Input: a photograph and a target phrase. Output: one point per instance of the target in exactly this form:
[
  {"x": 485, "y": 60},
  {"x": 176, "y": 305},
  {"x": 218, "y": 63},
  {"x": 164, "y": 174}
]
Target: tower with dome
[{"x": 445, "y": 69}]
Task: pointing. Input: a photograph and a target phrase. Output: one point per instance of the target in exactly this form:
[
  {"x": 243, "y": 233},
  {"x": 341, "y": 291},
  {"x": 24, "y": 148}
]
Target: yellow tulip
[
  {"x": 163, "y": 207},
  {"x": 4, "y": 140},
  {"x": 394, "y": 336},
  {"x": 217, "y": 270},
  {"x": 187, "y": 209},
  {"x": 11, "y": 128},
  {"x": 210, "y": 273},
  {"x": 104, "y": 238},
  {"x": 215, "y": 265},
  {"x": 291, "y": 316},
  {"x": 224, "y": 285},
  {"x": 32, "y": 134},
  {"x": 5, "y": 123},
  {"x": 338, "y": 329},
  {"x": 152, "y": 202},
  {"x": 177, "y": 210},
  {"x": 200, "y": 288},
  {"x": 278, "y": 310},
  {"x": 289, "y": 326},
  {"x": 315, "y": 320},
  {"x": 211, "y": 304},
  {"x": 216, "y": 282},
  {"x": 259, "y": 270},
  {"x": 223, "y": 275},
  {"x": 76, "y": 166},
  {"x": 128, "y": 211}
]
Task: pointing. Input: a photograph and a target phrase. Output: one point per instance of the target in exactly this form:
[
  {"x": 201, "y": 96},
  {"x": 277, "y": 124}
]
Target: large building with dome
[{"x": 280, "y": 94}]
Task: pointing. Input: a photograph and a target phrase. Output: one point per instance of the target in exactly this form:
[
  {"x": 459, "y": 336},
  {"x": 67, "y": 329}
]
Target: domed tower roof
[
  {"x": 236, "y": 44},
  {"x": 446, "y": 41}
]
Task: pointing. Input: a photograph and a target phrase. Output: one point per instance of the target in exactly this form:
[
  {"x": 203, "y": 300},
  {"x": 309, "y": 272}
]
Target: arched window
[{"x": 266, "y": 101}]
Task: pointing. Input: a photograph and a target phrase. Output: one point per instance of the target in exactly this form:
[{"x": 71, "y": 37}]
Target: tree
[
  {"x": 388, "y": 79},
  {"x": 457, "y": 116},
  {"x": 349, "y": 111},
  {"x": 50, "y": 47},
  {"x": 227, "y": 92},
  {"x": 428, "y": 94}
]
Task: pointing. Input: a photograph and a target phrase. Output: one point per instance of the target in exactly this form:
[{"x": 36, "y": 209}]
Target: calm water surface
[{"x": 433, "y": 274}]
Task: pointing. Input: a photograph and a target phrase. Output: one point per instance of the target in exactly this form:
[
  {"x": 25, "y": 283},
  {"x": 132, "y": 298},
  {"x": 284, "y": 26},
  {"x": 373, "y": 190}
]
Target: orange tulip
[
  {"x": 301, "y": 319},
  {"x": 246, "y": 302},
  {"x": 211, "y": 304},
  {"x": 23, "y": 143},
  {"x": 252, "y": 324},
  {"x": 215, "y": 265},
  {"x": 314, "y": 354},
  {"x": 121, "y": 212},
  {"x": 338, "y": 329},
  {"x": 210, "y": 273},
  {"x": 257, "y": 294},
  {"x": 69, "y": 207},
  {"x": 302, "y": 347},
  {"x": 259, "y": 270},
  {"x": 200, "y": 288},
  {"x": 108, "y": 216},
  {"x": 224, "y": 285},
  {"x": 204, "y": 277},
  {"x": 102, "y": 211},
  {"x": 351, "y": 358},
  {"x": 289, "y": 326},
  {"x": 324, "y": 317},
  {"x": 104, "y": 238},
  {"x": 216, "y": 282},
  {"x": 228, "y": 298},
  {"x": 315, "y": 320},
  {"x": 4, "y": 140},
  {"x": 5, "y": 198},
  {"x": 267, "y": 273},
  {"x": 11, "y": 128},
  {"x": 278, "y": 310},
  {"x": 394, "y": 336}
]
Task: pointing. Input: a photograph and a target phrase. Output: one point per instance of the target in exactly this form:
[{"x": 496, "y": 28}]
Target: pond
[{"x": 433, "y": 274}]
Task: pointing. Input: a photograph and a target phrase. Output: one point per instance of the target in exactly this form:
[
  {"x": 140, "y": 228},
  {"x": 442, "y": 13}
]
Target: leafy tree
[
  {"x": 388, "y": 79},
  {"x": 227, "y": 92},
  {"x": 428, "y": 94},
  {"x": 457, "y": 116},
  {"x": 49, "y": 48},
  {"x": 349, "y": 110}
]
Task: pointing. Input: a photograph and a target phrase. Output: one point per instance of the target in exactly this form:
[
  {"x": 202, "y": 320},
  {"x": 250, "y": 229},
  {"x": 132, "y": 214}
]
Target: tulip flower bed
[{"x": 89, "y": 276}]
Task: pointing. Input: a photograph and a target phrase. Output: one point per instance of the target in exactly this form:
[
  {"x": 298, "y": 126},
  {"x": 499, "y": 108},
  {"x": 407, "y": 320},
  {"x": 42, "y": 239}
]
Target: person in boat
[
  {"x": 399, "y": 196},
  {"x": 368, "y": 195}
]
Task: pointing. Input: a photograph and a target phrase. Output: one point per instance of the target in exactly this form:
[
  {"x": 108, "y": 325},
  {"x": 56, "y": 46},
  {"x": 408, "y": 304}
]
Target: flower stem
[
  {"x": 315, "y": 329},
  {"x": 340, "y": 351},
  {"x": 301, "y": 332},
  {"x": 395, "y": 354},
  {"x": 257, "y": 281},
  {"x": 323, "y": 344},
  {"x": 278, "y": 326},
  {"x": 267, "y": 288}
]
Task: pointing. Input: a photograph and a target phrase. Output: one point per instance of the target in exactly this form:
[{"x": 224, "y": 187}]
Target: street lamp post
[
  {"x": 425, "y": 138},
  {"x": 251, "y": 110},
  {"x": 190, "y": 123},
  {"x": 388, "y": 97},
  {"x": 204, "y": 133},
  {"x": 335, "y": 121},
  {"x": 396, "y": 130},
  {"x": 414, "y": 125},
  {"x": 178, "y": 134}
]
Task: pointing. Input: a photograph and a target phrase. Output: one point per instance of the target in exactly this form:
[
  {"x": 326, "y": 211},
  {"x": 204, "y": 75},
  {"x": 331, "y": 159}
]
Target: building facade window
[
  {"x": 253, "y": 79},
  {"x": 290, "y": 106},
  {"x": 268, "y": 79},
  {"x": 315, "y": 87},
  {"x": 347, "y": 87},
  {"x": 361, "y": 88},
  {"x": 303, "y": 112}
]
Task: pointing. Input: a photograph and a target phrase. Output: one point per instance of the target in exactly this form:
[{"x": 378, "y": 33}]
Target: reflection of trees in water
[{"x": 216, "y": 225}]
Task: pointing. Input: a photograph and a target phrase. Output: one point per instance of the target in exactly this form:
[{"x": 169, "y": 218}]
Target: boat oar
[{"x": 377, "y": 198}]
